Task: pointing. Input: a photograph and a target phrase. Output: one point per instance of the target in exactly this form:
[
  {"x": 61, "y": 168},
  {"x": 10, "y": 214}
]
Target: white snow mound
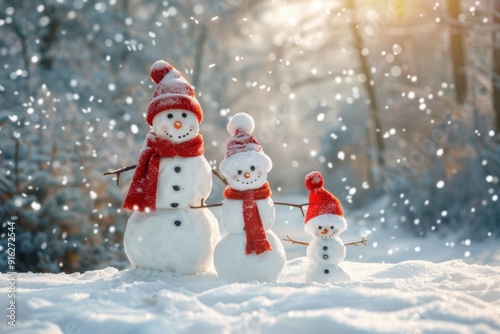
[{"x": 411, "y": 296}]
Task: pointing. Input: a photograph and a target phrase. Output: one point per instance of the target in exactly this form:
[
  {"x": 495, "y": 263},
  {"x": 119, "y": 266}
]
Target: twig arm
[
  {"x": 362, "y": 241},
  {"x": 203, "y": 205},
  {"x": 219, "y": 175},
  {"x": 300, "y": 206},
  {"x": 295, "y": 241},
  {"x": 118, "y": 171}
]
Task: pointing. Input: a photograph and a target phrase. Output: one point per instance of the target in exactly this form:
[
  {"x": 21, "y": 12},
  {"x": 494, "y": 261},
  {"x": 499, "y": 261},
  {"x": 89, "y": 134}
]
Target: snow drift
[{"x": 410, "y": 296}]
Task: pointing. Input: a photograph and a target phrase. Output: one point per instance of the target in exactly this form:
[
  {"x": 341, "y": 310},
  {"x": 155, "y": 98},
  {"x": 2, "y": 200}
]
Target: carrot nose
[
  {"x": 178, "y": 124},
  {"x": 325, "y": 231},
  {"x": 246, "y": 175}
]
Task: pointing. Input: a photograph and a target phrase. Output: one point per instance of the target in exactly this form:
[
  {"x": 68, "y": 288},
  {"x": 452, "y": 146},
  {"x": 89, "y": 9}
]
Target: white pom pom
[
  {"x": 159, "y": 69},
  {"x": 240, "y": 121}
]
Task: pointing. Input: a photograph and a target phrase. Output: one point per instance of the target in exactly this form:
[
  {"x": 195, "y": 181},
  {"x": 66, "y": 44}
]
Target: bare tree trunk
[
  {"x": 200, "y": 46},
  {"x": 48, "y": 39},
  {"x": 374, "y": 127},
  {"x": 23, "y": 38},
  {"x": 16, "y": 164},
  {"x": 496, "y": 64},
  {"x": 457, "y": 52}
]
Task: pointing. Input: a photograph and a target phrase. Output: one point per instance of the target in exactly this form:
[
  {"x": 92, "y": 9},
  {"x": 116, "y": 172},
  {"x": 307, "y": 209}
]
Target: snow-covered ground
[
  {"x": 408, "y": 297},
  {"x": 399, "y": 284}
]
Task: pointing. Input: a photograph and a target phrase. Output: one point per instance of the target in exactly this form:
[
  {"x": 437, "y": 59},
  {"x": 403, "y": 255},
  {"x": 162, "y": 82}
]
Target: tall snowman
[
  {"x": 172, "y": 174},
  {"x": 324, "y": 221},
  {"x": 249, "y": 250}
]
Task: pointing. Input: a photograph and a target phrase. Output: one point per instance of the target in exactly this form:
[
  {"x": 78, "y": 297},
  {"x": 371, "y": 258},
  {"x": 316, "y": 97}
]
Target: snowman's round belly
[
  {"x": 232, "y": 262},
  {"x": 329, "y": 251},
  {"x": 180, "y": 241},
  {"x": 183, "y": 182}
]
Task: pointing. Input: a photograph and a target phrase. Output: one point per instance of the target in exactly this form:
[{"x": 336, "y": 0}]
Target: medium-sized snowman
[
  {"x": 250, "y": 250},
  {"x": 324, "y": 221},
  {"x": 163, "y": 232}
]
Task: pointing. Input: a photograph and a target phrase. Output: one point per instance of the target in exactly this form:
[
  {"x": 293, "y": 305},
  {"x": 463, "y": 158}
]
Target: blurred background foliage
[{"x": 395, "y": 99}]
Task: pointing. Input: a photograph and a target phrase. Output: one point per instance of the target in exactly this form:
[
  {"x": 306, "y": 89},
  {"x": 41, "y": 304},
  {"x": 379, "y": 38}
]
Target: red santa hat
[
  {"x": 172, "y": 92},
  {"x": 243, "y": 148},
  {"x": 324, "y": 209}
]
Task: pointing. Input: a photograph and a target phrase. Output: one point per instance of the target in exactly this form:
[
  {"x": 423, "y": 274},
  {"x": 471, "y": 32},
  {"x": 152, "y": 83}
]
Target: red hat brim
[{"x": 168, "y": 101}]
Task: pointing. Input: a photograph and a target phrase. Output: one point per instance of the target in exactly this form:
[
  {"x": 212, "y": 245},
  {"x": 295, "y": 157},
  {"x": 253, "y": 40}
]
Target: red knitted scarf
[
  {"x": 256, "y": 235},
  {"x": 142, "y": 192}
]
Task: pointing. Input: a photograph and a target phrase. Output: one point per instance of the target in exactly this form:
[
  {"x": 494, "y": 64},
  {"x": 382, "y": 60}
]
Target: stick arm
[
  {"x": 118, "y": 171},
  {"x": 355, "y": 243},
  {"x": 203, "y": 205},
  {"x": 295, "y": 241},
  {"x": 300, "y": 206},
  {"x": 219, "y": 175}
]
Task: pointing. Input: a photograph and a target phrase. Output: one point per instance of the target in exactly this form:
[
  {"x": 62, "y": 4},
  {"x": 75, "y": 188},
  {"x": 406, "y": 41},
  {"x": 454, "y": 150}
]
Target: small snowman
[
  {"x": 324, "y": 221},
  {"x": 163, "y": 232},
  {"x": 249, "y": 250}
]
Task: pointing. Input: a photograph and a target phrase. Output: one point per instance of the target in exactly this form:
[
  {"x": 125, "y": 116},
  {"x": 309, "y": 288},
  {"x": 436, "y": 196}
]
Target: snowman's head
[
  {"x": 246, "y": 170},
  {"x": 325, "y": 226},
  {"x": 176, "y": 125},
  {"x": 245, "y": 164}
]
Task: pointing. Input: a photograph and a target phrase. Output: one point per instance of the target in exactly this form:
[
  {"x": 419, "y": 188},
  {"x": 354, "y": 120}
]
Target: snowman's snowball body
[
  {"x": 231, "y": 261},
  {"x": 180, "y": 240}
]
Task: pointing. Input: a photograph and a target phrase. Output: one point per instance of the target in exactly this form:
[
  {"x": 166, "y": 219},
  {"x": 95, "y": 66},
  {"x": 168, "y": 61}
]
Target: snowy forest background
[{"x": 395, "y": 99}]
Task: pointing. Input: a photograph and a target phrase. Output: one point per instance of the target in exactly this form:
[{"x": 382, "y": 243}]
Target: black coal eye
[
  {"x": 319, "y": 228},
  {"x": 239, "y": 172},
  {"x": 184, "y": 115},
  {"x": 252, "y": 168},
  {"x": 331, "y": 227},
  {"x": 177, "y": 223},
  {"x": 170, "y": 116}
]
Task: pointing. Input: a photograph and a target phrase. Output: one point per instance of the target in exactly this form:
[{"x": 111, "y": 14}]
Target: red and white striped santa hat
[
  {"x": 173, "y": 92},
  {"x": 242, "y": 147}
]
